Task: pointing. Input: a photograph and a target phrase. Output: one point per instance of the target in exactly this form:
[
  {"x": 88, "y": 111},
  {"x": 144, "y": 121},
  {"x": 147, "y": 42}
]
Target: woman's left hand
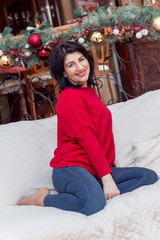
[
  {"x": 116, "y": 164},
  {"x": 110, "y": 188}
]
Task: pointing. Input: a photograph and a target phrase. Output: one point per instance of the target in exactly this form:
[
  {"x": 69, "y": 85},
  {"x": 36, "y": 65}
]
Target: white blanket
[{"x": 132, "y": 216}]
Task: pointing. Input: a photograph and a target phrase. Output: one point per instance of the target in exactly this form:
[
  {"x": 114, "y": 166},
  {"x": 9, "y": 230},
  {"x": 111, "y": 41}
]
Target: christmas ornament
[
  {"x": 34, "y": 40},
  {"x": 29, "y": 28},
  {"x": 157, "y": 4},
  {"x": 28, "y": 54},
  {"x": 43, "y": 54},
  {"x": 144, "y": 32},
  {"x": 5, "y": 62},
  {"x": 139, "y": 35},
  {"x": 53, "y": 44},
  {"x": 110, "y": 10},
  {"x": 41, "y": 20},
  {"x": 26, "y": 45},
  {"x": 81, "y": 40},
  {"x": 79, "y": 20},
  {"x": 116, "y": 31},
  {"x": 97, "y": 38},
  {"x": 156, "y": 24},
  {"x": 37, "y": 22},
  {"x": 108, "y": 31},
  {"x": 1, "y": 52},
  {"x": 121, "y": 32}
]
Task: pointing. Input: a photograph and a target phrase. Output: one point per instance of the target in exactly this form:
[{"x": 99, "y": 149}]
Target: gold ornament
[
  {"x": 108, "y": 31},
  {"x": 37, "y": 22},
  {"x": 97, "y": 37},
  {"x": 121, "y": 32},
  {"x": 5, "y": 62},
  {"x": 156, "y": 24}
]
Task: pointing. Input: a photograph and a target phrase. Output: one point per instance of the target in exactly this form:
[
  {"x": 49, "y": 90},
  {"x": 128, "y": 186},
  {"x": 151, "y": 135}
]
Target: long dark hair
[{"x": 57, "y": 58}]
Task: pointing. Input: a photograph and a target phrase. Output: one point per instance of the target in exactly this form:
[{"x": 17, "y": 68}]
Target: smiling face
[{"x": 76, "y": 68}]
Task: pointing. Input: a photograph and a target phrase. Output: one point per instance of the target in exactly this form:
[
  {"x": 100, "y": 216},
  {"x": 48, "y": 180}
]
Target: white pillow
[
  {"x": 147, "y": 153},
  {"x": 26, "y": 148},
  {"x": 134, "y": 118}
]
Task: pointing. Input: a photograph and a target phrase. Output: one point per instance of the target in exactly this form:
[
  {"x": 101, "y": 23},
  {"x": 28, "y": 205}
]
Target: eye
[
  {"x": 82, "y": 58},
  {"x": 70, "y": 65}
]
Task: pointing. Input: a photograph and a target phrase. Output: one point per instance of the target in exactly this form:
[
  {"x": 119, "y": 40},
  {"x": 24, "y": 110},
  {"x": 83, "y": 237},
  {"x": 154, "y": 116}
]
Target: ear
[{"x": 64, "y": 74}]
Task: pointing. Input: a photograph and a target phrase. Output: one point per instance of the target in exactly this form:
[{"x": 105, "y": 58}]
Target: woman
[{"x": 85, "y": 172}]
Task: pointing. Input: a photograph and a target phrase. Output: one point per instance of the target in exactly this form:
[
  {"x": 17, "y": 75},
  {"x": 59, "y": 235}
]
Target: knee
[
  {"x": 151, "y": 176},
  {"x": 93, "y": 205},
  {"x": 154, "y": 176}
]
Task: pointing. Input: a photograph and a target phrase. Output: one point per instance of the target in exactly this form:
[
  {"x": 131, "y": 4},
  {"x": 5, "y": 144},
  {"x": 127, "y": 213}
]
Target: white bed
[{"x": 26, "y": 148}]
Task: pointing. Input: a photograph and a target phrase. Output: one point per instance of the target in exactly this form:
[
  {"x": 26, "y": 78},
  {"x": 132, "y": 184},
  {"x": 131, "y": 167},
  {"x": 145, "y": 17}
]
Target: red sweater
[{"x": 85, "y": 135}]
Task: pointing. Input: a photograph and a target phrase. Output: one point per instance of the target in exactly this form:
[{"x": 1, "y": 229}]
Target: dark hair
[{"x": 57, "y": 58}]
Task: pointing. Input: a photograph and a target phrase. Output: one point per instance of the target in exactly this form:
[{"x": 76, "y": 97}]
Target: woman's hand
[
  {"x": 116, "y": 164},
  {"x": 109, "y": 187}
]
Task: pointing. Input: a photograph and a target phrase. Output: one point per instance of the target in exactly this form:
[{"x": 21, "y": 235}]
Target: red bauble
[
  {"x": 43, "y": 54},
  {"x": 34, "y": 40},
  {"x": 41, "y": 20}
]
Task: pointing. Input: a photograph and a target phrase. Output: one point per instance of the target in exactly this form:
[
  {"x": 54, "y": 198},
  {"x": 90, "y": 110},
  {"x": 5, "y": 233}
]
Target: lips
[{"x": 81, "y": 74}]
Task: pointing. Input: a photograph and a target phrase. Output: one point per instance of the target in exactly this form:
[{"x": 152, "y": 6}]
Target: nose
[{"x": 79, "y": 66}]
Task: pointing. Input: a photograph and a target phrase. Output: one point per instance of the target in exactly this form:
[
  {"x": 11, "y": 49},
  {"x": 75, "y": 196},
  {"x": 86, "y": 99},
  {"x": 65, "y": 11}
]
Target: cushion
[
  {"x": 135, "y": 118},
  {"x": 26, "y": 150}
]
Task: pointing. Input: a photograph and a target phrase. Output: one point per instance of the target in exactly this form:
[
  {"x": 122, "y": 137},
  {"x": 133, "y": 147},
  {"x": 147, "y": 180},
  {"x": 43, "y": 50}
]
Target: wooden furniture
[
  {"x": 100, "y": 54},
  {"x": 86, "y": 6},
  {"x": 149, "y": 2},
  {"x": 17, "y": 14},
  {"x": 139, "y": 66},
  {"x": 126, "y": 2},
  {"x": 38, "y": 84},
  {"x": 30, "y": 106},
  {"x": 13, "y": 88}
]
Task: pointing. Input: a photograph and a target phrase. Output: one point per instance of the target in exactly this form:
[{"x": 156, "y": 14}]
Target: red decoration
[
  {"x": 53, "y": 44},
  {"x": 43, "y": 54},
  {"x": 13, "y": 70},
  {"x": 41, "y": 20},
  {"x": 79, "y": 20},
  {"x": 157, "y": 4},
  {"x": 34, "y": 40}
]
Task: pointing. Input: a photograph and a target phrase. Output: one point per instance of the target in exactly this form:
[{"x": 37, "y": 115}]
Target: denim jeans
[{"x": 79, "y": 191}]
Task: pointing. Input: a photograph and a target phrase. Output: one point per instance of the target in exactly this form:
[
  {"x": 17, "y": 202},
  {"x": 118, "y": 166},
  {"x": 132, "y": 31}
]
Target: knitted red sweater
[{"x": 85, "y": 135}]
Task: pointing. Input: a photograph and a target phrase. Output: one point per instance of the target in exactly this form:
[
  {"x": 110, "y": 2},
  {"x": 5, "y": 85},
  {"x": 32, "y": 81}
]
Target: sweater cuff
[{"x": 105, "y": 172}]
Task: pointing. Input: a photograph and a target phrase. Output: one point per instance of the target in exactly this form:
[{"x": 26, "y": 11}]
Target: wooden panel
[
  {"x": 17, "y": 15},
  {"x": 140, "y": 68},
  {"x": 127, "y": 2}
]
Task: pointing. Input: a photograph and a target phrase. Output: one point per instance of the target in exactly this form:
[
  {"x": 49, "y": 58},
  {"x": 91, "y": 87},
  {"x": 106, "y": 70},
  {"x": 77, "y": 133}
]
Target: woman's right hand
[{"x": 109, "y": 187}]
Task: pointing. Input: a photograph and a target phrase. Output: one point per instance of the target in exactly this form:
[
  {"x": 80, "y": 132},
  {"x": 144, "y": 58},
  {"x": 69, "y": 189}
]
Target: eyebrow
[{"x": 73, "y": 61}]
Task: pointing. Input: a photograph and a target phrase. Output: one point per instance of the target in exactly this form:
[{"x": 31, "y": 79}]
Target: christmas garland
[{"x": 123, "y": 24}]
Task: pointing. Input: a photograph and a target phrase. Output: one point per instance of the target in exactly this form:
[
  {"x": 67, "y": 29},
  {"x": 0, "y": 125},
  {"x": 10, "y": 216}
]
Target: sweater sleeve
[{"x": 79, "y": 127}]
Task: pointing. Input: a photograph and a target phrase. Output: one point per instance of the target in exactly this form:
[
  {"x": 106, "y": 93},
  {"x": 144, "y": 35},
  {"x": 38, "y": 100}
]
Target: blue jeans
[{"x": 79, "y": 191}]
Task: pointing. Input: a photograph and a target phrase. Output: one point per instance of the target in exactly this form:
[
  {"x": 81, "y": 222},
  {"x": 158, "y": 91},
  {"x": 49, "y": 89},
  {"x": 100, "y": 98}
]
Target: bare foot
[{"x": 36, "y": 198}]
